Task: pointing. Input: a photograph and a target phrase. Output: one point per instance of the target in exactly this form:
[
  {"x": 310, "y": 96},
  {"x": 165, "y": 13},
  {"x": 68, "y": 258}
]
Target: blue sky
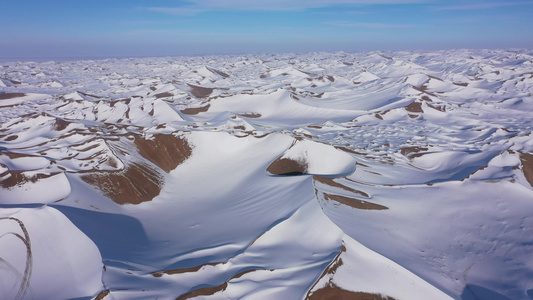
[{"x": 98, "y": 28}]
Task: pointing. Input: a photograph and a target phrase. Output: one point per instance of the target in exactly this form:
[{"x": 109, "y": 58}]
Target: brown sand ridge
[
  {"x": 330, "y": 270},
  {"x": 355, "y": 203},
  {"x": 527, "y": 166},
  {"x": 287, "y": 167},
  {"x": 333, "y": 292},
  {"x": 136, "y": 184},
  {"x": 200, "y": 92},
  {"x": 164, "y": 150}
]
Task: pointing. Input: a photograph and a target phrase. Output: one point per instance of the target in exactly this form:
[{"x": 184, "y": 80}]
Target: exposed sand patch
[
  {"x": 200, "y": 92},
  {"x": 183, "y": 270},
  {"x": 195, "y": 110},
  {"x": 11, "y": 95},
  {"x": 406, "y": 151},
  {"x": 60, "y": 124},
  {"x": 250, "y": 115},
  {"x": 346, "y": 149},
  {"x": 136, "y": 184},
  {"x": 14, "y": 155},
  {"x": 335, "y": 264},
  {"x": 333, "y": 183},
  {"x": 207, "y": 291},
  {"x": 439, "y": 108},
  {"x": 414, "y": 107},
  {"x": 527, "y": 166},
  {"x": 355, "y": 203},
  {"x": 102, "y": 295},
  {"x": 287, "y": 167},
  {"x": 164, "y": 150},
  {"x": 329, "y": 271},
  {"x": 19, "y": 178},
  {"x": 163, "y": 95},
  {"x": 465, "y": 84},
  {"x": 333, "y": 292}
]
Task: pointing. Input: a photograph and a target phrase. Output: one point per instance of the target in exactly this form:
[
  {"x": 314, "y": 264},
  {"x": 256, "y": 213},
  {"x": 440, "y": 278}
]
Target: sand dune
[{"x": 373, "y": 175}]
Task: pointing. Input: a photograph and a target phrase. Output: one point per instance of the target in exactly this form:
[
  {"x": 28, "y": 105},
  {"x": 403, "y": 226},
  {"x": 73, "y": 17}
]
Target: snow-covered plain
[{"x": 402, "y": 175}]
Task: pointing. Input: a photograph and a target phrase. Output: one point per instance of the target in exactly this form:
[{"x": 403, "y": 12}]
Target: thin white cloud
[
  {"x": 197, "y": 6},
  {"x": 180, "y": 11},
  {"x": 481, "y": 6},
  {"x": 291, "y": 5},
  {"x": 367, "y": 25}
]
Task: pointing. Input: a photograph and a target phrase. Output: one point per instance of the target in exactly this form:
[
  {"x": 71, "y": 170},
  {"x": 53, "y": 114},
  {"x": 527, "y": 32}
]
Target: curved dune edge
[
  {"x": 288, "y": 167},
  {"x": 306, "y": 157},
  {"x": 140, "y": 180},
  {"x": 136, "y": 184}
]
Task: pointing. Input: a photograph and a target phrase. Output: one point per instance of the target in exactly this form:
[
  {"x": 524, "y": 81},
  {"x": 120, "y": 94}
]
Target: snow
[
  {"x": 404, "y": 174},
  {"x": 49, "y": 247}
]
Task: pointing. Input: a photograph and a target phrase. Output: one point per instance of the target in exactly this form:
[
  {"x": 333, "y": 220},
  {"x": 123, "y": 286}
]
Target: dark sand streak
[
  {"x": 7, "y": 96},
  {"x": 195, "y": 110},
  {"x": 527, "y": 166},
  {"x": 207, "y": 291},
  {"x": 331, "y": 182},
  {"x": 200, "y": 92},
  {"x": 333, "y": 292},
  {"x": 183, "y": 270},
  {"x": 355, "y": 203}
]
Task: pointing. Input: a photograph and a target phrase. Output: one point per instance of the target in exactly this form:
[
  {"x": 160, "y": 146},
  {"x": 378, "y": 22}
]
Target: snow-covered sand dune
[{"x": 376, "y": 175}]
